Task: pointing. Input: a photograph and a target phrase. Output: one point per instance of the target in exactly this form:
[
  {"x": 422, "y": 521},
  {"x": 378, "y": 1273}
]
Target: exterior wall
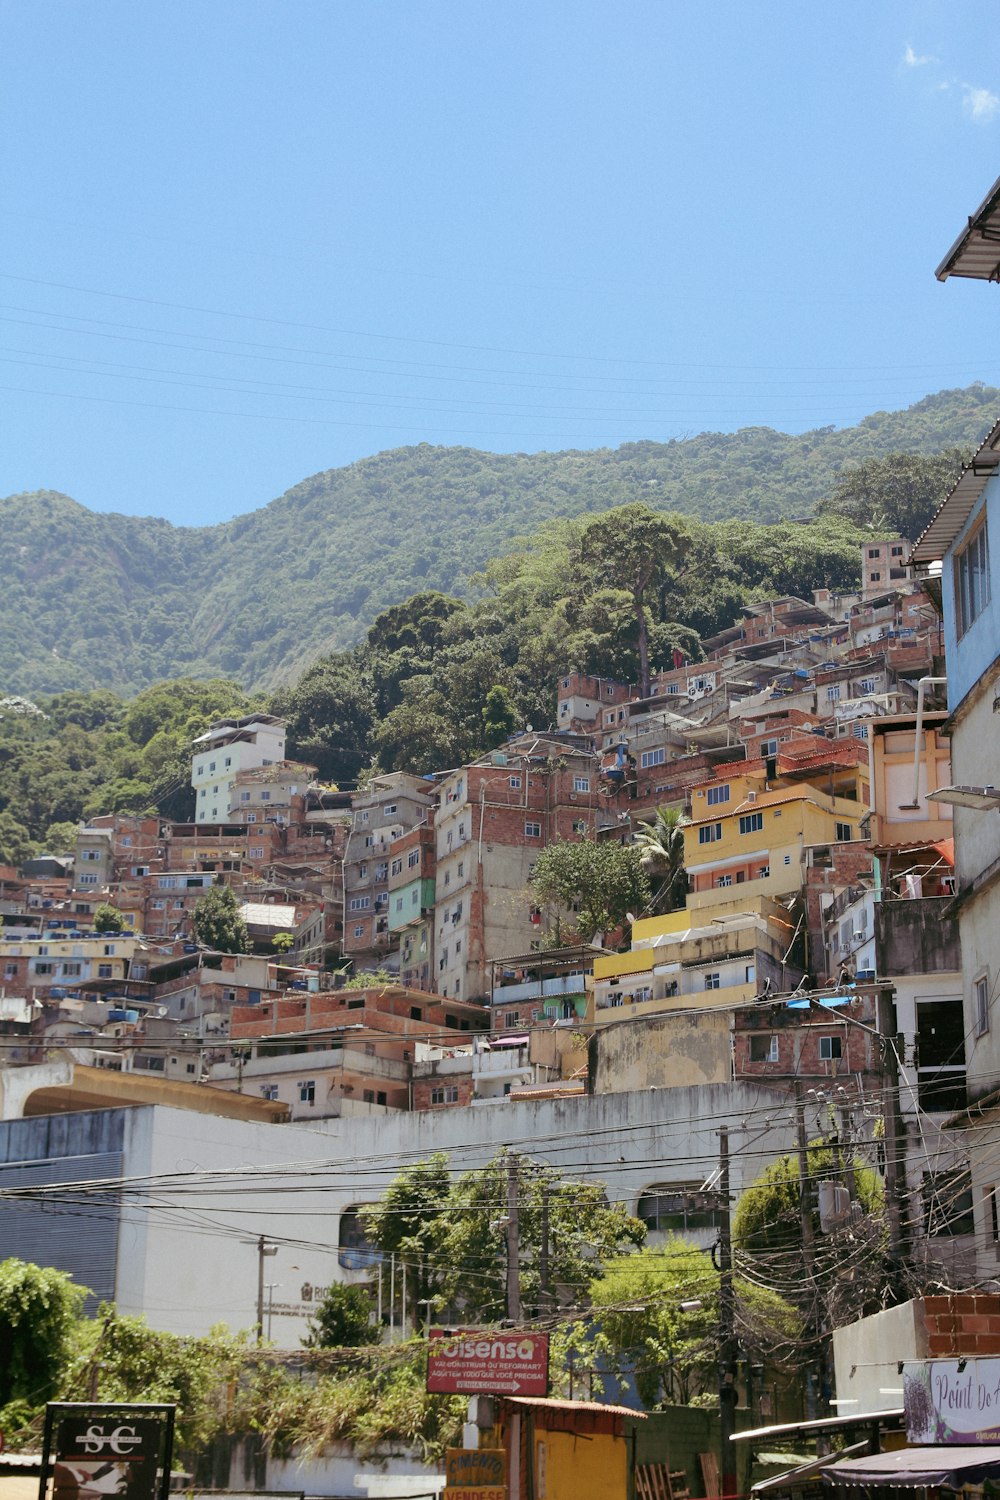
[
  {"x": 866, "y": 1355},
  {"x": 221, "y": 755},
  {"x": 186, "y": 1282},
  {"x": 892, "y": 784},
  {"x": 973, "y": 655},
  {"x": 977, "y": 871},
  {"x": 686, "y": 1051}
]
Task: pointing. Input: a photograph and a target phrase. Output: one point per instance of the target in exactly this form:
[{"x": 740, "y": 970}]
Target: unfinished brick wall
[{"x": 962, "y": 1323}]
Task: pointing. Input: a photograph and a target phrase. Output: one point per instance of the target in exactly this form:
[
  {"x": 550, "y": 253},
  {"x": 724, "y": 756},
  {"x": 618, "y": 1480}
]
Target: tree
[
  {"x": 499, "y": 716},
  {"x": 661, "y": 846},
  {"x": 16, "y": 843},
  {"x": 282, "y": 942},
  {"x": 849, "y": 1274},
  {"x": 597, "y": 884},
  {"x": 450, "y": 1234},
  {"x": 898, "y": 494},
  {"x": 343, "y": 1319},
  {"x": 218, "y": 922},
  {"x": 636, "y": 549},
  {"x": 39, "y": 1309},
  {"x": 108, "y": 918},
  {"x": 671, "y": 1349},
  {"x": 330, "y": 714}
]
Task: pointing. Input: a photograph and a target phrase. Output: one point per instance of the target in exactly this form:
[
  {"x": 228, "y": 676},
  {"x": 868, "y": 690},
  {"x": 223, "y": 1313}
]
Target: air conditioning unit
[{"x": 751, "y": 796}]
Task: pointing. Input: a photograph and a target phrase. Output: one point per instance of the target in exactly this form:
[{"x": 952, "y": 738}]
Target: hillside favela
[{"x": 500, "y": 945}]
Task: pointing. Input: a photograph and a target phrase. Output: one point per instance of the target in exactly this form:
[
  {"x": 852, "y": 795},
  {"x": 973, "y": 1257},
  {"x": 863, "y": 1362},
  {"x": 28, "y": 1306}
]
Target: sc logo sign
[{"x": 120, "y": 1441}]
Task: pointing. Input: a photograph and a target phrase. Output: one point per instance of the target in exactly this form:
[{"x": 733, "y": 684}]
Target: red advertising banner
[{"x": 500, "y": 1364}]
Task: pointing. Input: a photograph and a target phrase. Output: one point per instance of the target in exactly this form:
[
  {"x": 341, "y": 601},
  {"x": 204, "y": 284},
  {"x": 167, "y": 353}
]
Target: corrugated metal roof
[
  {"x": 934, "y": 541},
  {"x": 976, "y": 252}
]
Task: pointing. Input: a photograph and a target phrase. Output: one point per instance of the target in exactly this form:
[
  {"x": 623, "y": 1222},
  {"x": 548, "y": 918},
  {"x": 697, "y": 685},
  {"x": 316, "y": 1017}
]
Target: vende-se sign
[{"x": 506, "y": 1364}]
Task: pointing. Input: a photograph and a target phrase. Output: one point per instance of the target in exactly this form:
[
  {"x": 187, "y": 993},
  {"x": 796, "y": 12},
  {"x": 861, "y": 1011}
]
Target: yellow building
[
  {"x": 719, "y": 956},
  {"x": 742, "y": 836}
]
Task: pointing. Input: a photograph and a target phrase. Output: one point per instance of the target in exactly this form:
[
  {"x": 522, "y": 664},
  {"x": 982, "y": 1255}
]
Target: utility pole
[
  {"x": 895, "y": 1140},
  {"x": 808, "y": 1229},
  {"x": 513, "y": 1244},
  {"x": 263, "y": 1248},
  {"x": 543, "y": 1254},
  {"x": 728, "y": 1348}
]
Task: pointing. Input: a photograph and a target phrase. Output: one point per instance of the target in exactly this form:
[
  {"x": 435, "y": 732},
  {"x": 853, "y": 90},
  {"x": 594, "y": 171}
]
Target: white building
[
  {"x": 231, "y": 746},
  {"x": 181, "y": 1246}
]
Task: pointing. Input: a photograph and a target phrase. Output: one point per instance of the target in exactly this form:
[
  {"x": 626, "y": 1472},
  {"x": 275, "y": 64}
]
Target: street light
[{"x": 978, "y": 798}]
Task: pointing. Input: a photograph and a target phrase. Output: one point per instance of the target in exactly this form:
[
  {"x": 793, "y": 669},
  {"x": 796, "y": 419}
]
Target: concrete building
[
  {"x": 157, "y": 1253},
  {"x": 386, "y": 809},
  {"x": 716, "y": 955},
  {"x": 231, "y": 746},
  {"x": 958, "y": 538},
  {"x": 494, "y": 818}
]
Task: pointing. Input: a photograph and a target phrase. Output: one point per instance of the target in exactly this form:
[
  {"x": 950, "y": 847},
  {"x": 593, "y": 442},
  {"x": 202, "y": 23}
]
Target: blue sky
[{"x": 245, "y": 242}]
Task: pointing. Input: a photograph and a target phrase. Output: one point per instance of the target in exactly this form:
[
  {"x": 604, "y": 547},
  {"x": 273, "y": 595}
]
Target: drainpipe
[{"x": 925, "y": 682}]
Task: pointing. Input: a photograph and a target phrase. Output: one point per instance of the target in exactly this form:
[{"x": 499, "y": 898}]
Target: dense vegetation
[
  {"x": 94, "y": 600},
  {"x": 438, "y": 679}
]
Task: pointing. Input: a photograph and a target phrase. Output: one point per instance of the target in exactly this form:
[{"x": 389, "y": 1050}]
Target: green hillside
[{"x": 95, "y": 600}]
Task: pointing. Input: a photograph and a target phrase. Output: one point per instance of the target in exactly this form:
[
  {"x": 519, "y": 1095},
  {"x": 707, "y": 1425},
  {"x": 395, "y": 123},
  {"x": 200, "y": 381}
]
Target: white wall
[{"x": 182, "y": 1259}]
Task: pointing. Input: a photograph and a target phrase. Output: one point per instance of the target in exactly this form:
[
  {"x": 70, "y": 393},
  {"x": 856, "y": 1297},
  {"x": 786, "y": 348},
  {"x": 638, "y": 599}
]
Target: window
[
  {"x": 105, "y": 971},
  {"x": 532, "y": 830},
  {"x": 860, "y": 731},
  {"x": 866, "y": 686},
  {"x": 445, "y": 1094},
  {"x": 763, "y": 1048},
  {"x": 724, "y": 880},
  {"x": 710, "y": 833},
  {"x": 251, "y": 817},
  {"x": 751, "y": 822},
  {"x": 717, "y": 794},
  {"x": 413, "y": 859},
  {"x": 769, "y": 747},
  {"x": 360, "y": 903},
  {"x": 396, "y": 868},
  {"x": 359, "y": 931},
  {"x": 514, "y": 782},
  {"x": 981, "y": 996},
  {"x": 307, "y": 1091},
  {"x": 762, "y": 872},
  {"x": 88, "y": 878},
  {"x": 972, "y": 579},
  {"x": 652, "y": 758},
  {"x": 579, "y": 825},
  {"x": 265, "y": 796},
  {"x": 244, "y": 796},
  {"x": 873, "y": 553},
  {"x": 948, "y": 1202},
  {"x": 830, "y": 1048},
  {"x": 992, "y": 1217},
  {"x": 44, "y": 968},
  {"x": 845, "y": 833},
  {"x": 581, "y": 783},
  {"x": 255, "y": 853},
  {"x": 749, "y": 974},
  {"x": 713, "y": 980},
  {"x": 269, "y": 1091},
  {"x": 461, "y": 869},
  {"x": 833, "y": 692},
  {"x": 388, "y": 809},
  {"x": 895, "y": 551},
  {"x": 678, "y": 1208}
]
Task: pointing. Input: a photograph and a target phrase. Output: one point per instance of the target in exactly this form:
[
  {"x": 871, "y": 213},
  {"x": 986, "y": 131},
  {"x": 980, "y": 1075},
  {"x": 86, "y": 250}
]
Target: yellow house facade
[
  {"x": 756, "y": 839},
  {"x": 696, "y": 958}
]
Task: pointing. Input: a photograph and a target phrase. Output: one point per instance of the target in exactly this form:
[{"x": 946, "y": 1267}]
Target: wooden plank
[{"x": 710, "y": 1474}]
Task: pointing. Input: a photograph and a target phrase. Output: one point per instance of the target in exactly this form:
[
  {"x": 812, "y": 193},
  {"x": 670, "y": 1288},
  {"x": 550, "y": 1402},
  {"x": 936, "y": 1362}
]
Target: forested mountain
[{"x": 103, "y": 600}]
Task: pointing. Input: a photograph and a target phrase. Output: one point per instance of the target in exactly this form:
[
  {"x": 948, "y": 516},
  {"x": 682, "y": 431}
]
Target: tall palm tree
[{"x": 662, "y": 845}]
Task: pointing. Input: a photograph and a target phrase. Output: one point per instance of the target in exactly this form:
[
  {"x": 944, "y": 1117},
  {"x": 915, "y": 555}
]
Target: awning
[{"x": 919, "y": 1468}]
